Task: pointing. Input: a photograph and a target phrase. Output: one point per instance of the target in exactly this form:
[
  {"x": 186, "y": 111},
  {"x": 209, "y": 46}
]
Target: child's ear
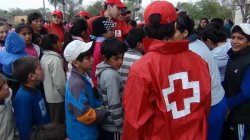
[
  {"x": 31, "y": 76},
  {"x": 139, "y": 45},
  {"x": 185, "y": 35},
  {"x": 75, "y": 63}
]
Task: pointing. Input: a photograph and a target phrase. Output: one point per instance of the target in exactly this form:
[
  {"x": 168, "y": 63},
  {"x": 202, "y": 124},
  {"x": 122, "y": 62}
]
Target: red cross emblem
[{"x": 187, "y": 86}]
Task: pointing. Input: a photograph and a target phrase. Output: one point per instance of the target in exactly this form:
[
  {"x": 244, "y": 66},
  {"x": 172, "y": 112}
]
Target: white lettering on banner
[{"x": 183, "y": 76}]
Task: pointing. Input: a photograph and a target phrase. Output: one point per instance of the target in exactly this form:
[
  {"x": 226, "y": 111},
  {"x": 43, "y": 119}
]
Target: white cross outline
[{"x": 187, "y": 101}]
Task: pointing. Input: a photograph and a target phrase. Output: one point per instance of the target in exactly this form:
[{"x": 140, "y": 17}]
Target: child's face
[
  {"x": 115, "y": 61},
  {"x": 38, "y": 76},
  {"x": 3, "y": 32},
  {"x": 239, "y": 42},
  {"x": 37, "y": 24},
  {"x": 26, "y": 34},
  {"x": 56, "y": 19},
  {"x": 85, "y": 64},
  {"x": 4, "y": 89}
]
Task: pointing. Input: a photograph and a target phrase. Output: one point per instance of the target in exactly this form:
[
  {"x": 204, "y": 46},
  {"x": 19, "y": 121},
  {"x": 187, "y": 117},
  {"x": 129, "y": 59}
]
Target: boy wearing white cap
[
  {"x": 236, "y": 84},
  {"x": 82, "y": 115}
]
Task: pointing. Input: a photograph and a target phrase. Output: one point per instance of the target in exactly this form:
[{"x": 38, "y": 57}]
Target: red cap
[
  {"x": 83, "y": 14},
  {"x": 164, "y": 8},
  {"x": 118, "y": 3},
  {"x": 58, "y": 13}
]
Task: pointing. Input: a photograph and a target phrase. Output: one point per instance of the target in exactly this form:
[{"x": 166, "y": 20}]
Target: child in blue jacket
[{"x": 29, "y": 104}]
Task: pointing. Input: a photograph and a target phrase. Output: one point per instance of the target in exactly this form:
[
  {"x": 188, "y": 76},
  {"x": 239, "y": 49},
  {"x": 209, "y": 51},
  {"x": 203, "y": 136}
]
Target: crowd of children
[{"x": 98, "y": 78}]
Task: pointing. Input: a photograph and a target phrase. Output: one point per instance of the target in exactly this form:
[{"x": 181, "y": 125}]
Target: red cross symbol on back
[{"x": 180, "y": 94}]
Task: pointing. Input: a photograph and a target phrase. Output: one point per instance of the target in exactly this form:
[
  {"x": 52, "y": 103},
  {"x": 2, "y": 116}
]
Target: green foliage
[
  {"x": 95, "y": 8},
  {"x": 206, "y": 8}
]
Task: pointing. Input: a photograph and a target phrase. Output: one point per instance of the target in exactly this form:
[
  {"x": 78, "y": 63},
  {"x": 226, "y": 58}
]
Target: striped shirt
[
  {"x": 130, "y": 57},
  {"x": 110, "y": 88}
]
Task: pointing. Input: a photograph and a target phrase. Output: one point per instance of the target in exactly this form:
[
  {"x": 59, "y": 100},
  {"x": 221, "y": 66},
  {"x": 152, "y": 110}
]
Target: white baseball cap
[
  {"x": 245, "y": 27},
  {"x": 75, "y": 48}
]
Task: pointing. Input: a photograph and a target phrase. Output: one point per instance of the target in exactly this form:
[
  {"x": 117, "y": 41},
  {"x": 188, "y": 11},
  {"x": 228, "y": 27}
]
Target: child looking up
[{"x": 29, "y": 104}]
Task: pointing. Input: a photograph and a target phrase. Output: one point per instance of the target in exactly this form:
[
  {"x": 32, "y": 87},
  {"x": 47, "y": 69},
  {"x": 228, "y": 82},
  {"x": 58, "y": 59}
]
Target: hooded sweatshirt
[
  {"x": 110, "y": 87},
  {"x": 14, "y": 49},
  {"x": 221, "y": 57}
]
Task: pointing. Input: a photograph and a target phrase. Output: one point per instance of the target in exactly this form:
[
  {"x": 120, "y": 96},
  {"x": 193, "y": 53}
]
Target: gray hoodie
[{"x": 110, "y": 88}]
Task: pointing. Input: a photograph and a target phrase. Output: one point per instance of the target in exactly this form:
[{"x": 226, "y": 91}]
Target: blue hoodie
[{"x": 14, "y": 49}]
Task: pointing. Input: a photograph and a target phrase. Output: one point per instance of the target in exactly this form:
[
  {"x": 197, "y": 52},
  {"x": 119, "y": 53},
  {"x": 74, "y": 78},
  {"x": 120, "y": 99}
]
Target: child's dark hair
[
  {"x": 3, "y": 23},
  {"x": 33, "y": 16},
  {"x": 134, "y": 36},
  {"x": 113, "y": 47},
  {"x": 20, "y": 27},
  {"x": 78, "y": 26},
  {"x": 237, "y": 29},
  {"x": 132, "y": 23},
  {"x": 48, "y": 41},
  {"x": 86, "y": 54},
  {"x": 215, "y": 32},
  {"x": 218, "y": 20},
  {"x": 22, "y": 67},
  {"x": 206, "y": 19},
  {"x": 185, "y": 23},
  {"x": 51, "y": 131},
  {"x": 157, "y": 30}
]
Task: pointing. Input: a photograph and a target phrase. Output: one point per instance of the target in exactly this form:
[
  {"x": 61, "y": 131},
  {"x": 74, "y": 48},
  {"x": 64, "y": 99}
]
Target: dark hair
[
  {"x": 132, "y": 23},
  {"x": 230, "y": 21},
  {"x": 218, "y": 20},
  {"x": 157, "y": 30},
  {"x": 215, "y": 32},
  {"x": 134, "y": 36},
  {"x": 78, "y": 26},
  {"x": 22, "y": 67},
  {"x": 113, "y": 47},
  {"x": 51, "y": 131},
  {"x": 86, "y": 54},
  {"x": 20, "y": 27},
  {"x": 185, "y": 23},
  {"x": 48, "y": 41},
  {"x": 204, "y": 19},
  {"x": 237, "y": 29},
  {"x": 98, "y": 27},
  {"x": 3, "y": 23},
  {"x": 33, "y": 16}
]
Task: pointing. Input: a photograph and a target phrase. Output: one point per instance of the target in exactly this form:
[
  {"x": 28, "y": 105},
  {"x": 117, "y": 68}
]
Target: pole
[{"x": 44, "y": 12}]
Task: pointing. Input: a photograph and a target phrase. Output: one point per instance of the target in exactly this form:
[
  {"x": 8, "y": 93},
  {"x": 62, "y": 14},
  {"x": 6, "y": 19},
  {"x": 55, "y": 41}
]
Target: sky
[{"x": 33, "y": 4}]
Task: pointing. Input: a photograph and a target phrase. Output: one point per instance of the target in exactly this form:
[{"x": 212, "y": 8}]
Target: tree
[
  {"x": 206, "y": 8},
  {"x": 244, "y": 6},
  {"x": 95, "y": 8}
]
